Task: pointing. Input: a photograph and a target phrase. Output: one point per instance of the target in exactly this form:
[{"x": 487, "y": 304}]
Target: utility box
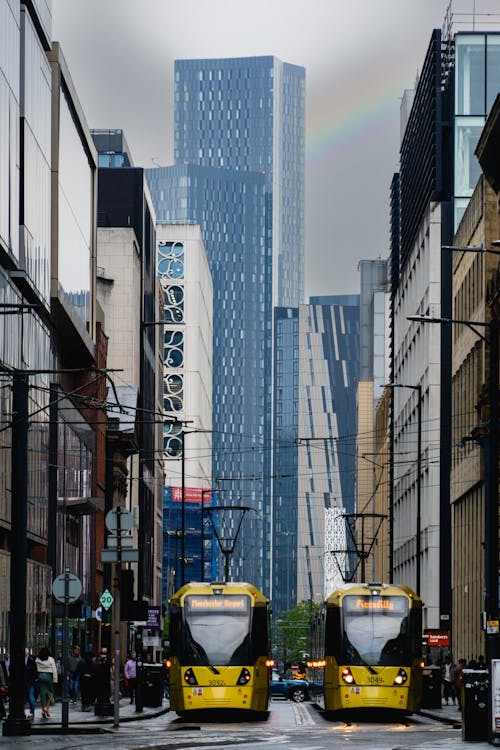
[
  {"x": 474, "y": 702},
  {"x": 431, "y": 687},
  {"x": 152, "y": 685}
]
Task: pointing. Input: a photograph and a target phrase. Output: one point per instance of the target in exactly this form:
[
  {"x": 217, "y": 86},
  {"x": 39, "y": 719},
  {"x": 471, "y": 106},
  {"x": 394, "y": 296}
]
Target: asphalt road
[{"x": 291, "y": 726}]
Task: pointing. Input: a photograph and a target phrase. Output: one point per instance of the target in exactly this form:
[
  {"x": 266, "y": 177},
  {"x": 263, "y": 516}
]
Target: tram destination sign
[
  {"x": 396, "y": 605},
  {"x": 234, "y": 603}
]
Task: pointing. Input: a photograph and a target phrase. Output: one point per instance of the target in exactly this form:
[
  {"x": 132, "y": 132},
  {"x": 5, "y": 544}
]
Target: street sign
[
  {"x": 126, "y": 519},
  {"x": 106, "y": 599},
  {"x": 126, "y": 555},
  {"x": 59, "y": 587},
  {"x": 126, "y": 541},
  {"x": 154, "y": 618}
]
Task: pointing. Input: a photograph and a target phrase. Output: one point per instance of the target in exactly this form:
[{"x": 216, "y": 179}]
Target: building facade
[
  {"x": 129, "y": 295},
  {"x": 239, "y": 153},
  {"x": 48, "y": 171},
  {"x": 187, "y": 400},
  {"x": 472, "y": 275},
  {"x": 317, "y": 369},
  {"x": 240, "y": 269},
  {"x": 373, "y": 374},
  {"x": 437, "y": 175}
]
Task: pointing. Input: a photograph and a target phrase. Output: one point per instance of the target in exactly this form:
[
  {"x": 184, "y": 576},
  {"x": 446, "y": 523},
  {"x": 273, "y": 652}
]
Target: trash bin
[
  {"x": 474, "y": 701},
  {"x": 431, "y": 687},
  {"x": 152, "y": 685}
]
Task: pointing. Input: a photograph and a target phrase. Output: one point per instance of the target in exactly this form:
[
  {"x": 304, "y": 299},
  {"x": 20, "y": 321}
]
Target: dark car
[{"x": 293, "y": 690}]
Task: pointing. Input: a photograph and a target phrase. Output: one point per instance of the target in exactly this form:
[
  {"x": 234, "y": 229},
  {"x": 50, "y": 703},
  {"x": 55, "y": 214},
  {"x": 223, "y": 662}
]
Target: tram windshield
[
  {"x": 217, "y": 629},
  {"x": 376, "y": 630}
]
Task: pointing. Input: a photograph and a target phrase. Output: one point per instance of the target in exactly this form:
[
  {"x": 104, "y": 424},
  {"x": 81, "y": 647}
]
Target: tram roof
[{"x": 222, "y": 588}]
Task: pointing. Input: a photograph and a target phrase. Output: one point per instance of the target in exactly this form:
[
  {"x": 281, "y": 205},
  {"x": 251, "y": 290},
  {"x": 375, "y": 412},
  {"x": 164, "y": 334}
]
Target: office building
[
  {"x": 373, "y": 361},
  {"x": 129, "y": 294},
  {"x": 239, "y": 153},
  {"x": 438, "y": 172},
  {"x": 48, "y": 170},
  {"x": 316, "y": 375},
  {"x": 187, "y": 400}
]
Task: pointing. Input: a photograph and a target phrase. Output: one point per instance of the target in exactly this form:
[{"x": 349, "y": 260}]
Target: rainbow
[{"x": 342, "y": 122}]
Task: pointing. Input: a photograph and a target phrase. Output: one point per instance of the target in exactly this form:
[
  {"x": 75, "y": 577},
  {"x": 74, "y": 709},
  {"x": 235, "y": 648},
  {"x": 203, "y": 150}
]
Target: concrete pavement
[
  {"x": 83, "y": 722},
  {"x": 448, "y": 714}
]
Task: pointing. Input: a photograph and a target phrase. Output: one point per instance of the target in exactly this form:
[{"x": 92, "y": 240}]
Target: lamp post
[
  {"x": 16, "y": 723},
  {"x": 418, "y": 524}
]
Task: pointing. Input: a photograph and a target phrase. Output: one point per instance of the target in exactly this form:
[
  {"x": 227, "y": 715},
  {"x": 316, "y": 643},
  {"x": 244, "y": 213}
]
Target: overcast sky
[{"x": 359, "y": 56}]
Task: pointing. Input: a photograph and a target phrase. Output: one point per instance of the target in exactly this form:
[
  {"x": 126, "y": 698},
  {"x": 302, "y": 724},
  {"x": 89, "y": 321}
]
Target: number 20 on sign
[{"x": 106, "y": 599}]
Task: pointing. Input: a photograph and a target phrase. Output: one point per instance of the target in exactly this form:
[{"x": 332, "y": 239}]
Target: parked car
[{"x": 289, "y": 688}]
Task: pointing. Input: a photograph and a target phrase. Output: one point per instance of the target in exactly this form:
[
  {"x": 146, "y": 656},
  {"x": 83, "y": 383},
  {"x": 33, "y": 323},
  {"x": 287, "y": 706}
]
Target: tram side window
[
  {"x": 416, "y": 633},
  {"x": 332, "y": 633},
  {"x": 175, "y": 631},
  {"x": 260, "y": 637}
]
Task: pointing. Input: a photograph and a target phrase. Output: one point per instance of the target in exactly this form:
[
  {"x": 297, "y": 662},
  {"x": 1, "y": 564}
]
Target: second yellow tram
[
  {"x": 366, "y": 649},
  {"x": 219, "y": 643}
]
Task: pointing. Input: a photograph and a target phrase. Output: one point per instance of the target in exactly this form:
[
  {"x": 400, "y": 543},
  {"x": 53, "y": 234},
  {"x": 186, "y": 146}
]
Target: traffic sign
[
  {"x": 98, "y": 614},
  {"x": 126, "y": 555},
  {"x": 106, "y": 599},
  {"x": 126, "y": 519},
  {"x": 73, "y": 591}
]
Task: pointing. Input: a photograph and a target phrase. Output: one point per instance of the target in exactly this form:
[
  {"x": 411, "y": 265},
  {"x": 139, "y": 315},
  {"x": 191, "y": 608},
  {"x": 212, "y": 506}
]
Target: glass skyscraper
[
  {"x": 239, "y": 173},
  {"x": 316, "y": 375}
]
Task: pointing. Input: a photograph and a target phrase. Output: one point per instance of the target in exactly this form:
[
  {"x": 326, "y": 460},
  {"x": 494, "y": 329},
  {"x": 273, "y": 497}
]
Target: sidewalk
[
  {"x": 449, "y": 714},
  {"x": 86, "y": 722}
]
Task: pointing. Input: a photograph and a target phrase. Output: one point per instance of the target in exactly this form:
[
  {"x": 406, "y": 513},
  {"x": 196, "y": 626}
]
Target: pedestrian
[
  {"x": 447, "y": 693},
  {"x": 457, "y": 681},
  {"x": 73, "y": 662},
  {"x": 87, "y": 670},
  {"x": 30, "y": 682},
  {"x": 47, "y": 678},
  {"x": 130, "y": 673},
  {"x": 481, "y": 664}
]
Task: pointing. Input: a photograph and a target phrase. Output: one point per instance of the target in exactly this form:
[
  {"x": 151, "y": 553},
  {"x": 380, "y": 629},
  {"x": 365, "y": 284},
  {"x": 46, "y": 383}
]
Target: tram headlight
[
  {"x": 189, "y": 677},
  {"x": 244, "y": 677},
  {"x": 347, "y": 676},
  {"x": 401, "y": 677}
]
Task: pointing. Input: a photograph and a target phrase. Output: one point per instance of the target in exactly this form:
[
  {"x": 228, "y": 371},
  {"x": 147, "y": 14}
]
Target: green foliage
[{"x": 290, "y": 631}]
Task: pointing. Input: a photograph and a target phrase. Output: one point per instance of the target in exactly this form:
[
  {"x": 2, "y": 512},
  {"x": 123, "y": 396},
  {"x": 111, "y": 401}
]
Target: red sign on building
[
  {"x": 192, "y": 495},
  {"x": 438, "y": 638}
]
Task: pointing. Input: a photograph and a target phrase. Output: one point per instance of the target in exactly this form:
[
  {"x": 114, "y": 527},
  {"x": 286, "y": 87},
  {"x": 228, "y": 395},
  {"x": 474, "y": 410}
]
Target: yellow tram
[
  {"x": 366, "y": 649},
  {"x": 219, "y": 644}
]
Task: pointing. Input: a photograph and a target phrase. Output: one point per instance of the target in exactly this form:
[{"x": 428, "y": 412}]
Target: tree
[{"x": 291, "y": 634}]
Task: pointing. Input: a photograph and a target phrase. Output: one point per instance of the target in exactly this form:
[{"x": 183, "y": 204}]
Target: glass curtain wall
[{"x": 477, "y": 82}]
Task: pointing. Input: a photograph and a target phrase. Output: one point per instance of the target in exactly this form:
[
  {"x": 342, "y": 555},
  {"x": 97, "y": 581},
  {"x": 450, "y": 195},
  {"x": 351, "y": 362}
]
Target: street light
[
  {"x": 418, "y": 551},
  {"x": 490, "y": 454}
]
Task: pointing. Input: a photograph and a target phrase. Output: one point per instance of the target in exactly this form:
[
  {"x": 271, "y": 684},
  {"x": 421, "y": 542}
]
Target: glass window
[
  {"x": 470, "y": 74},
  {"x": 467, "y": 169},
  {"x": 75, "y": 212},
  {"x": 376, "y": 630},
  {"x": 492, "y": 70},
  {"x": 217, "y": 629}
]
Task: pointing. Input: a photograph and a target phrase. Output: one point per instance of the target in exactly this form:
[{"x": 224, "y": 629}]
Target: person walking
[
  {"x": 87, "y": 670},
  {"x": 447, "y": 681},
  {"x": 130, "y": 674},
  {"x": 458, "y": 680},
  {"x": 47, "y": 678},
  {"x": 73, "y": 662},
  {"x": 30, "y": 682}
]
